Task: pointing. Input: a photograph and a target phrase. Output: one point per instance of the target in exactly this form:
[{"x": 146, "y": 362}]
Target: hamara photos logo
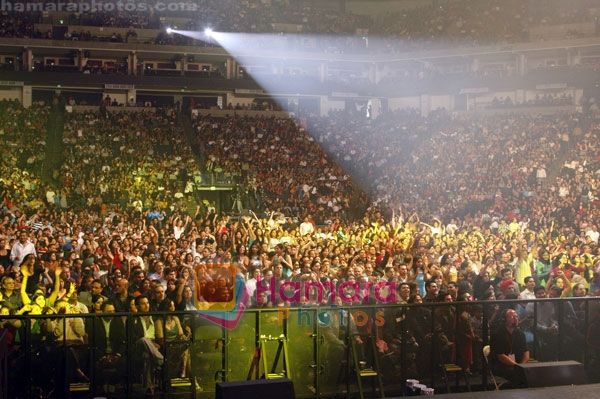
[{"x": 230, "y": 300}]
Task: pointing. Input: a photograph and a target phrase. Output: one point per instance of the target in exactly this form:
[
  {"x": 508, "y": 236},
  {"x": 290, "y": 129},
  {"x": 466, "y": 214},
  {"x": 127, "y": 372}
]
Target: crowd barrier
[{"x": 322, "y": 354}]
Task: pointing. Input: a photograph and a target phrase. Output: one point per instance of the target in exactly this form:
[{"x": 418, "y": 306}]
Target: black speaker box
[
  {"x": 280, "y": 388},
  {"x": 546, "y": 374}
]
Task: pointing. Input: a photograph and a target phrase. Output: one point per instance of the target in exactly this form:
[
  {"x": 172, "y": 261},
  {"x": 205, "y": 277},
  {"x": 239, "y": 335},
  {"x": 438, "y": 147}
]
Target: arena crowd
[{"x": 438, "y": 208}]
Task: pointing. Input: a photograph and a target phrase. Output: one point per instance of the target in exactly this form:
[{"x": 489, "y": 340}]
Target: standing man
[
  {"x": 21, "y": 248},
  {"x": 306, "y": 227},
  {"x": 509, "y": 349},
  {"x": 528, "y": 293}
]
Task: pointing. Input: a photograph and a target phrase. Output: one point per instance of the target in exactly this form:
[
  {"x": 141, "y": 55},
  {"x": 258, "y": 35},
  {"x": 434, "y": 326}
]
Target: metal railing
[{"x": 42, "y": 362}]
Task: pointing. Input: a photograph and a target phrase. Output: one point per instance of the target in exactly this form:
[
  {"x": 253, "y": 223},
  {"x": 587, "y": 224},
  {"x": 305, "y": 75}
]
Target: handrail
[{"x": 318, "y": 343}]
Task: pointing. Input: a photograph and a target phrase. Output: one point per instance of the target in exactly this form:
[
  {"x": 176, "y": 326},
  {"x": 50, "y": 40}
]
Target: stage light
[
  {"x": 169, "y": 31},
  {"x": 208, "y": 32}
]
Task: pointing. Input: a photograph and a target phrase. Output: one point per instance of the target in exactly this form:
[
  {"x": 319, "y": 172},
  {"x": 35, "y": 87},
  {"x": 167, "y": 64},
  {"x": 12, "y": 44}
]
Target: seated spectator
[
  {"x": 71, "y": 332},
  {"x": 508, "y": 349},
  {"x": 109, "y": 338},
  {"x": 11, "y": 325},
  {"x": 174, "y": 340},
  {"x": 9, "y": 294},
  {"x": 146, "y": 349}
]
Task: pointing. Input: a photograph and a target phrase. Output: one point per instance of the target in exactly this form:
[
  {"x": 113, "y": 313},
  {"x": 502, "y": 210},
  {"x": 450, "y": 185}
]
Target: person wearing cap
[{"x": 508, "y": 288}]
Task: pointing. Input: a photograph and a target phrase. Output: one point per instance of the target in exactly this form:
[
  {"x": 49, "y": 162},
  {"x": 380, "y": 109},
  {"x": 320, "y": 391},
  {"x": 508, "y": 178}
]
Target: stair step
[{"x": 368, "y": 373}]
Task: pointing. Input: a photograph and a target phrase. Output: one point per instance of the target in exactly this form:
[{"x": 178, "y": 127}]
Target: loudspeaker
[
  {"x": 280, "y": 388},
  {"x": 546, "y": 374}
]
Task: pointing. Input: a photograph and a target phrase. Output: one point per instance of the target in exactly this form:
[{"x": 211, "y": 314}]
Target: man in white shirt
[
  {"x": 528, "y": 293},
  {"x": 252, "y": 283},
  {"x": 50, "y": 195},
  {"x": 159, "y": 268},
  {"x": 306, "y": 227},
  {"x": 593, "y": 234},
  {"x": 136, "y": 252},
  {"x": 451, "y": 227},
  {"x": 21, "y": 248}
]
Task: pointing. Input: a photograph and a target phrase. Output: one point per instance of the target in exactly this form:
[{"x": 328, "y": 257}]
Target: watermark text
[{"x": 97, "y": 6}]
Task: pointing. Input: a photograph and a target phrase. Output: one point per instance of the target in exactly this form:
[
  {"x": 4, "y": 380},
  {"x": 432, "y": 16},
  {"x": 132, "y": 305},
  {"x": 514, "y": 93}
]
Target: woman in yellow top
[{"x": 524, "y": 265}]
